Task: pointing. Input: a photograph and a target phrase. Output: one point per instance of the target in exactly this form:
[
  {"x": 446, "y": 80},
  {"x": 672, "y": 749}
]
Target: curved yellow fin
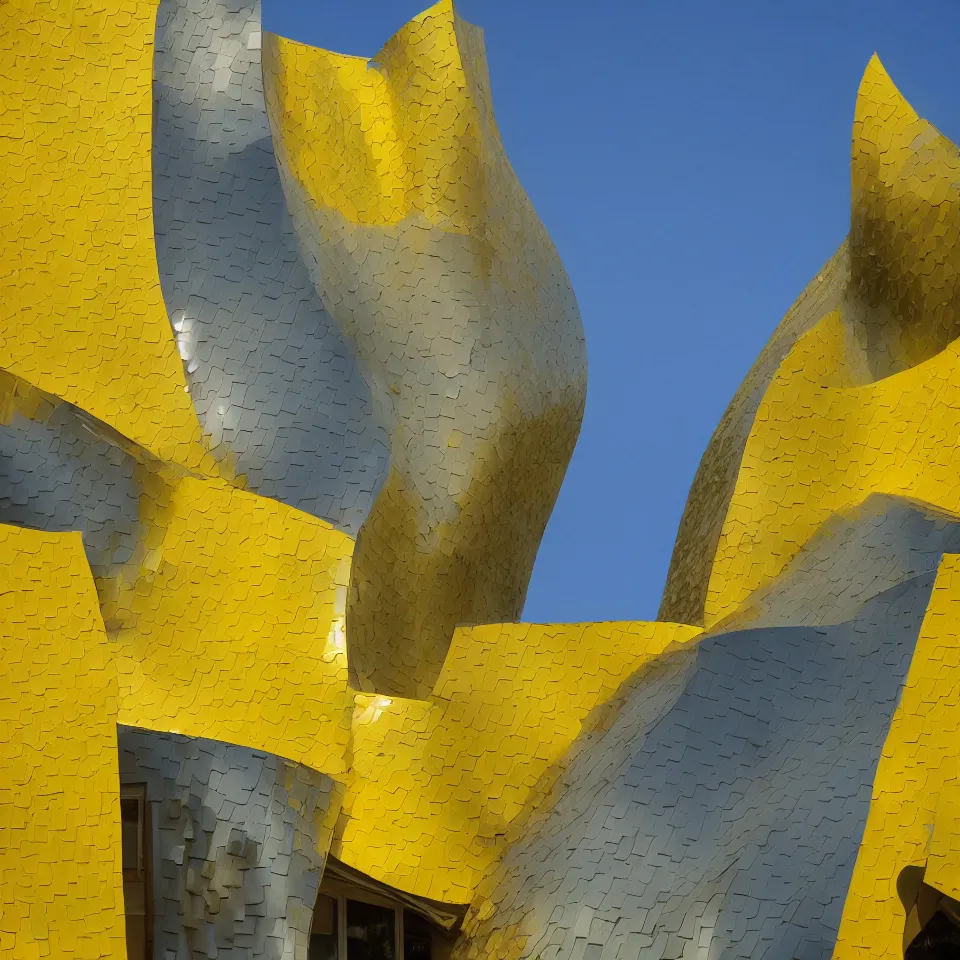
[{"x": 904, "y": 290}]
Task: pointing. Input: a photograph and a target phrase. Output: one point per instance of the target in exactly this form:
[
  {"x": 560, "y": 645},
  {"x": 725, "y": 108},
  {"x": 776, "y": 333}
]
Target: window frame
[
  {"x": 341, "y": 892},
  {"x": 142, "y": 874},
  {"x": 137, "y": 792}
]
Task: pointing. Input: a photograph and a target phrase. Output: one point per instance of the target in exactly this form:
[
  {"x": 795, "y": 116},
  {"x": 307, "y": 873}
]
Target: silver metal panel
[
  {"x": 238, "y": 852},
  {"x": 268, "y": 370},
  {"x": 60, "y": 472},
  {"x": 720, "y": 815}
]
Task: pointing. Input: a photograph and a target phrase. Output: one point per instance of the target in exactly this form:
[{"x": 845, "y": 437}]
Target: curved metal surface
[{"x": 271, "y": 378}]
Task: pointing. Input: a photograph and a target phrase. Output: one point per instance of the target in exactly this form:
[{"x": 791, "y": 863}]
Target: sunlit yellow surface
[
  {"x": 377, "y": 143},
  {"x": 81, "y": 311},
  {"x": 911, "y": 812},
  {"x": 433, "y": 262},
  {"x": 817, "y": 449},
  {"x": 230, "y": 623},
  {"x": 861, "y": 405},
  {"x": 232, "y": 626},
  {"x": 59, "y": 782},
  {"x": 436, "y": 784}
]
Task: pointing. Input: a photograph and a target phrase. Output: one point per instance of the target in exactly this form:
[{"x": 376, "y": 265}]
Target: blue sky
[{"x": 691, "y": 161}]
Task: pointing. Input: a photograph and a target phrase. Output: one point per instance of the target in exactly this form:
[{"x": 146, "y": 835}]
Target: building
[{"x": 290, "y": 374}]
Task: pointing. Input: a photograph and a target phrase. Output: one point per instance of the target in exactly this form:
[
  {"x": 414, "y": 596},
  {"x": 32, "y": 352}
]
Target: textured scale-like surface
[{"x": 290, "y": 374}]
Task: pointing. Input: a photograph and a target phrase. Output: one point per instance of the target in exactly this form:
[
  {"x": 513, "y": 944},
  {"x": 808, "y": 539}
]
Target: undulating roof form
[{"x": 290, "y": 375}]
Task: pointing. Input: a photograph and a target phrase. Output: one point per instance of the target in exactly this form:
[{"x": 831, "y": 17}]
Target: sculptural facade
[{"x": 291, "y": 373}]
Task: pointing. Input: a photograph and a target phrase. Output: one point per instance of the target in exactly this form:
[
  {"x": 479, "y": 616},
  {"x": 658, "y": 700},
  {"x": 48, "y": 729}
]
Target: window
[
  {"x": 136, "y": 862},
  {"x": 419, "y": 936},
  {"x": 351, "y": 928},
  {"x": 371, "y": 931},
  {"x": 357, "y": 918},
  {"x": 324, "y": 934}
]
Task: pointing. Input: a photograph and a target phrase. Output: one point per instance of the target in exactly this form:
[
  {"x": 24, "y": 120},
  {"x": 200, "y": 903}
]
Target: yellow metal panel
[
  {"x": 60, "y": 880},
  {"x": 817, "y": 449},
  {"x": 685, "y": 592},
  {"x": 943, "y": 860},
  {"x": 380, "y": 140},
  {"x": 431, "y": 259},
  {"x": 81, "y": 311},
  {"x": 869, "y": 400},
  {"x": 904, "y": 292},
  {"x": 436, "y": 785},
  {"x": 909, "y": 805},
  {"x": 231, "y": 627}
]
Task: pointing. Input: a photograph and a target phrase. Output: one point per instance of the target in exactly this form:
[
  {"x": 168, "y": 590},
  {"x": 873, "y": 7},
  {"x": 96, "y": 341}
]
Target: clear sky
[{"x": 690, "y": 159}]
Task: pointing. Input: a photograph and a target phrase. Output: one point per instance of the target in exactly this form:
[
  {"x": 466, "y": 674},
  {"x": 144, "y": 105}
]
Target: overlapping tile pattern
[
  {"x": 432, "y": 261},
  {"x": 232, "y": 625},
  {"x": 81, "y": 310},
  {"x": 330, "y": 312},
  {"x": 685, "y": 592},
  {"x": 884, "y": 421},
  {"x": 435, "y": 785},
  {"x": 61, "y": 893},
  {"x": 720, "y": 807},
  {"x": 270, "y": 376},
  {"x": 913, "y": 815},
  {"x": 856, "y": 555},
  {"x": 242, "y": 839},
  {"x": 60, "y": 470},
  {"x": 891, "y": 291}
]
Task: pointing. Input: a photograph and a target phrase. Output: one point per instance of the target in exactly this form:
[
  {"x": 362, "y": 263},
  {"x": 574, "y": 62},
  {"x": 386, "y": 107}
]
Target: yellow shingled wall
[
  {"x": 231, "y": 624},
  {"x": 870, "y": 404},
  {"x": 60, "y": 881},
  {"x": 81, "y": 311},
  {"x": 231, "y": 627},
  {"x": 911, "y": 814},
  {"x": 388, "y": 138},
  {"x": 421, "y": 237},
  {"x": 436, "y": 785}
]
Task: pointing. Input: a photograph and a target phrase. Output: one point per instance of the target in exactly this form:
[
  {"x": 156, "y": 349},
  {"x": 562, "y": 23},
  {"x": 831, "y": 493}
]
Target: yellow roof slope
[
  {"x": 868, "y": 401},
  {"x": 59, "y": 780},
  {"x": 914, "y": 806},
  {"x": 81, "y": 310}
]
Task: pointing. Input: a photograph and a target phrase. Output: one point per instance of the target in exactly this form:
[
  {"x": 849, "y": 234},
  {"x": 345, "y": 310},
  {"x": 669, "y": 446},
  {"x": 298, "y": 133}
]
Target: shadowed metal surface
[
  {"x": 726, "y": 823},
  {"x": 855, "y": 556},
  {"x": 241, "y": 839},
  {"x": 58, "y": 472},
  {"x": 433, "y": 262},
  {"x": 601, "y": 791},
  {"x": 270, "y": 376}
]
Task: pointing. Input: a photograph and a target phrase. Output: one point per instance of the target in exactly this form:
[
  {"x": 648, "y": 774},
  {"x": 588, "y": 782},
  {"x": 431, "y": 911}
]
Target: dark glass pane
[
  {"x": 417, "y": 937},
  {"x": 371, "y": 932},
  {"x": 938, "y": 940},
  {"x": 323, "y": 933},
  {"x": 130, "y": 833}
]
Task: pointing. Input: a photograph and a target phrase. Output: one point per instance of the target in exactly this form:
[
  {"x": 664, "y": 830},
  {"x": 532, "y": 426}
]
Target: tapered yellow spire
[
  {"x": 380, "y": 139},
  {"x": 905, "y": 259},
  {"x": 880, "y": 107}
]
